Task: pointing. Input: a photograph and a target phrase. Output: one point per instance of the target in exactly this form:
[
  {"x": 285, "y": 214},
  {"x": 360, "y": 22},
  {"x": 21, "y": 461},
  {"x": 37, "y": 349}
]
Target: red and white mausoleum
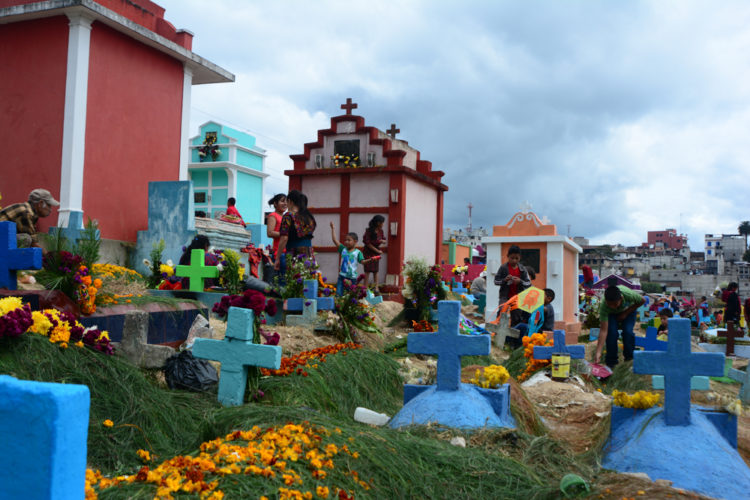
[{"x": 389, "y": 179}]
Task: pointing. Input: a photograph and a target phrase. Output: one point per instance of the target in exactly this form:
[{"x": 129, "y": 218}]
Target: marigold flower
[{"x": 108, "y": 423}]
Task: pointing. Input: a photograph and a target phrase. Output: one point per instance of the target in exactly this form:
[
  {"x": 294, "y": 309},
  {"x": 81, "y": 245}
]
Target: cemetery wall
[
  {"x": 420, "y": 224},
  {"x": 322, "y": 191},
  {"x": 33, "y": 84},
  {"x": 133, "y": 129},
  {"x": 368, "y": 190}
]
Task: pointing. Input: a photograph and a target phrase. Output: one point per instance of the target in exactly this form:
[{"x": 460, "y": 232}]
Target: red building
[
  {"x": 96, "y": 103},
  {"x": 388, "y": 178},
  {"x": 666, "y": 238}
]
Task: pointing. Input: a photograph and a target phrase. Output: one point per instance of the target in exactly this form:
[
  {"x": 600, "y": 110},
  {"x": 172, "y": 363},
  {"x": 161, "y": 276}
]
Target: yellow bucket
[{"x": 560, "y": 366}]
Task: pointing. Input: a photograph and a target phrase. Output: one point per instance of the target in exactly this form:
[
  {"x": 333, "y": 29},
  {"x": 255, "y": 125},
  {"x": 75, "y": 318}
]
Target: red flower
[{"x": 271, "y": 307}]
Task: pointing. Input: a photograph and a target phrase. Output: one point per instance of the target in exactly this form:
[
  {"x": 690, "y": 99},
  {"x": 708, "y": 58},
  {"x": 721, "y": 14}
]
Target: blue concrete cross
[
  {"x": 373, "y": 299},
  {"x": 678, "y": 365},
  {"x": 309, "y": 305},
  {"x": 448, "y": 344},
  {"x": 546, "y": 352},
  {"x": 236, "y": 353},
  {"x": 650, "y": 342},
  {"x": 642, "y": 312},
  {"x": 48, "y": 458},
  {"x": 197, "y": 271},
  {"x": 744, "y": 378},
  {"x": 12, "y": 258},
  {"x": 75, "y": 228}
]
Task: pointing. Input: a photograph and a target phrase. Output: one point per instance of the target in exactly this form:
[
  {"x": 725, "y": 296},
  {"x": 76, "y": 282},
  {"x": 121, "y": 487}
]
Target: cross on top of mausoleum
[
  {"x": 393, "y": 131},
  {"x": 349, "y": 106}
]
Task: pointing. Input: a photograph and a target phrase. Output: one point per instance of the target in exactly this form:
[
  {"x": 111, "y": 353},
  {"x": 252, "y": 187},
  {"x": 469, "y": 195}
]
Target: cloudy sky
[{"x": 612, "y": 118}]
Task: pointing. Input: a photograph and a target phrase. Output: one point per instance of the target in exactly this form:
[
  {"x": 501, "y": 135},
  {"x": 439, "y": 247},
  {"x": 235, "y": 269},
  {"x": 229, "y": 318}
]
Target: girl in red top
[
  {"x": 273, "y": 221},
  {"x": 297, "y": 227},
  {"x": 373, "y": 241}
]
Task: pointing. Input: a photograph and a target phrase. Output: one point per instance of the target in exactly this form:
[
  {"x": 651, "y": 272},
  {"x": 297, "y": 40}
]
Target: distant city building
[
  {"x": 581, "y": 241},
  {"x": 722, "y": 250},
  {"x": 472, "y": 237},
  {"x": 665, "y": 238}
]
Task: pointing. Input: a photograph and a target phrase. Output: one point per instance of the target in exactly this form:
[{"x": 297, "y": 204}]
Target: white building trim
[
  {"x": 74, "y": 119},
  {"x": 228, "y": 165},
  {"x": 187, "y": 85}
]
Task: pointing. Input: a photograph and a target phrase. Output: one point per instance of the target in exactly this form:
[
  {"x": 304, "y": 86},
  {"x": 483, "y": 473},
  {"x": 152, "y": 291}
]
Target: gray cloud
[{"x": 613, "y": 118}]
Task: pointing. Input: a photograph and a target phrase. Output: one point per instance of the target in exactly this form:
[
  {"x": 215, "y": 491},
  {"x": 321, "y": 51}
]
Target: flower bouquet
[
  {"x": 422, "y": 289},
  {"x": 344, "y": 161},
  {"x": 209, "y": 149}
]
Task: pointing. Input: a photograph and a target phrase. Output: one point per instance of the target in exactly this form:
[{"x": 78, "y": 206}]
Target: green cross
[{"x": 197, "y": 271}]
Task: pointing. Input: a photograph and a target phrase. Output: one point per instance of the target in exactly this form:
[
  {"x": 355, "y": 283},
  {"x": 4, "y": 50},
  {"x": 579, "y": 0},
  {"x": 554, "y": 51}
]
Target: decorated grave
[
  {"x": 730, "y": 346},
  {"x": 450, "y": 402},
  {"x": 695, "y": 448},
  {"x": 14, "y": 259},
  {"x": 237, "y": 352},
  {"x": 46, "y": 459}
]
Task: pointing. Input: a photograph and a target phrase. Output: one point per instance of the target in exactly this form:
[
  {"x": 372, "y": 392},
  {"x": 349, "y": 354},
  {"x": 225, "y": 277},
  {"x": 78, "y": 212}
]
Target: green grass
[{"x": 409, "y": 463}]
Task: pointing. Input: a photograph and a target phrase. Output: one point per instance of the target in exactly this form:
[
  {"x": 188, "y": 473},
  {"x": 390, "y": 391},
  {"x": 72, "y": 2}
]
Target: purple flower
[
  {"x": 308, "y": 263},
  {"x": 299, "y": 281},
  {"x": 304, "y": 290},
  {"x": 325, "y": 279},
  {"x": 307, "y": 302}
]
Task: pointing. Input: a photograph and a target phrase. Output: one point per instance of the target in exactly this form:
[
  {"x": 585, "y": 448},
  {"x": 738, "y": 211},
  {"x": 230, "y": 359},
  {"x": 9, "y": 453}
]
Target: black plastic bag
[{"x": 183, "y": 371}]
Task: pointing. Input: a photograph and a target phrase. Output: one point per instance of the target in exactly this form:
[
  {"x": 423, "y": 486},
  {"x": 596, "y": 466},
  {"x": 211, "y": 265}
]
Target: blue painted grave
[
  {"x": 678, "y": 365},
  {"x": 693, "y": 447},
  {"x": 44, "y": 428},
  {"x": 14, "y": 259},
  {"x": 450, "y": 402},
  {"x": 197, "y": 271},
  {"x": 236, "y": 353},
  {"x": 559, "y": 347},
  {"x": 373, "y": 299},
  {"x": 481, "y": 303},
  {"x": 743, "y": 377},
  {"x": 73, "y": 231},
  {"x": 310, "y": 304},
  {"x": 650, "y": 342}
]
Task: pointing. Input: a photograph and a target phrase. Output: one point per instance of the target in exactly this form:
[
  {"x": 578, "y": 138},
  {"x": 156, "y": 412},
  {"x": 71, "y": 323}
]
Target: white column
[
  {"x": 187, "y": 85},
  {"x": 74, "y": 120}
]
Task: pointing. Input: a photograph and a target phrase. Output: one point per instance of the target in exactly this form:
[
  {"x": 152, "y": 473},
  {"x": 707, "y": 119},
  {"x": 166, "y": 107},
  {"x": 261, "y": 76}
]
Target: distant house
[{"x": 616, "y": 280}]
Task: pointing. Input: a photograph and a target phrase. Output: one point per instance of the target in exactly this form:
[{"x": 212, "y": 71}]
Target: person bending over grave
[
  {"x": 549, "y": 311},
  {"x": 350, "y": 257},
  {"x": 26, "y": 215},
  {"x": 479, "y": 285},
  {"x": 200, "y": 242},
  {"x": 732, "y": 311},
  {"x": 513, "y": 278},
  {"x": 297, "y": 228},
  {"x": 617, "y": 311},
  {"x": 234, "y": 214},
  {"x": 663, "y": 331},
  {"x": 374, "y": 239}
]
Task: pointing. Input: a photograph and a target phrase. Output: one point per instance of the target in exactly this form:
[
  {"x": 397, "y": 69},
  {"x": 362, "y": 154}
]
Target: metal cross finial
[
  {"x": 349, "y": 106},
  {"x": 393, "y": 131}
]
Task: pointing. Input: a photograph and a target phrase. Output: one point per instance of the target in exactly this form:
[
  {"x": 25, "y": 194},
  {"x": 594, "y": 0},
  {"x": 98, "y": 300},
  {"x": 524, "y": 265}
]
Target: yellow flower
[
  {"x": 144, "y": 455},
  {"x": 108, "y": 423},
  {"x": 322, "y": 491},
  {"x": 9, "y": 304}
]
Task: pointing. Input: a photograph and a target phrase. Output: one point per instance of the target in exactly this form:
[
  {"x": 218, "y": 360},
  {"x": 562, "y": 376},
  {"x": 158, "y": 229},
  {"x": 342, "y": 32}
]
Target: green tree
[{"x": 744, "y": 230}]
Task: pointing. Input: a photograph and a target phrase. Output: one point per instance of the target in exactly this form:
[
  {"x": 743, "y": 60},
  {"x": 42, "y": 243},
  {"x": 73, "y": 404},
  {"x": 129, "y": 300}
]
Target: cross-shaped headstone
[
  {"x": 349, "y": 106},
  {"x": 642, "y": 312},
  {"x": 310, "y": 304},
  {"x": 501, "y": 330},
  {"x": 559, "y": 347},
  {"x": 14, "y": 259},
  {"x": 742, "y": 376},
  {"x": 481, "y": 303},
  {"x": 74, "y": 230},
  {"x": 678, "y": 365},
  {"x": 730, "y": 334},
  {"x": 393, "y": 131},
  {"x": 650, "y": 342},
  {"x": 448, "y": 344},
  {"x": 48, "y": 458},
  {"x": 197, "y": 271},
  {"x": 236, "y": 353},
  {"x": 724, "y": 379}
]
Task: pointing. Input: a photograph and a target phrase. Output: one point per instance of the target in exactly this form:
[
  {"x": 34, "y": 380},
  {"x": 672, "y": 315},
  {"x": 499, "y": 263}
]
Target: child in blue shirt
[{"x": 350, "y": 258}]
